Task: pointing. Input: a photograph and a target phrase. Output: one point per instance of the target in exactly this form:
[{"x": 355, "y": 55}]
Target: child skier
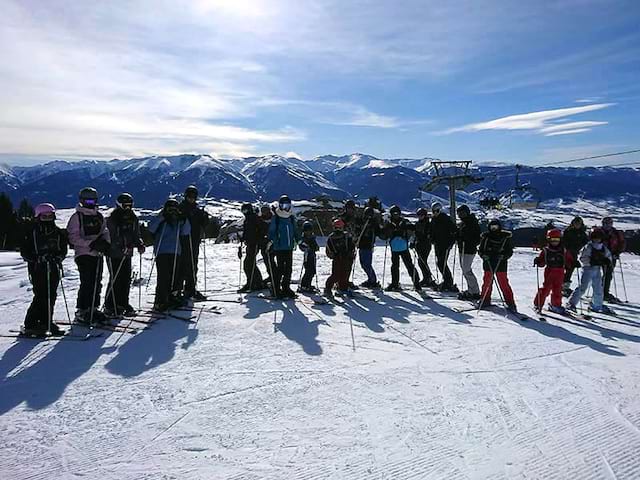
[
  {"x": 555, "y": 258},
  {"x": 340, "y": 249},
  {"x": 496, "y": 248},
  {"x": 594, "y": 257},
  {"x": 309, "y": 246},
  {"x": 44, "y": 247}
]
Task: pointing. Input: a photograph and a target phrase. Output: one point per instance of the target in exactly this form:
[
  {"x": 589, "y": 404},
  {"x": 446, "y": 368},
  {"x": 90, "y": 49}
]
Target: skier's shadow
[
  {"x": 51, "y": 373},
  {"x": 152, "y": 348}
]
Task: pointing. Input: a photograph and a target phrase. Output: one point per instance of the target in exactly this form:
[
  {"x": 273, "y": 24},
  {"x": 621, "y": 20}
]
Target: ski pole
[
  {"x": 140, "y": 284},
  {"x": 175, "y": 257},
  {"x": 537, "y": 301},
  {"x": 624, "y": 285},
  {"x": 304, "y": 261},
  {"x": 384, "y": 263},
  {"x": 581, "y": 292},
  {"x": 453, "y": 273},
  {"x": 64, "y": 297},
  {"x": 193, "y": 264},
  {"x": 240, "y": 269},
  {"x": 461, "y": 253},
  {"x": 95, "y": 288},
  {"x": 111, "y": 285},
  {"x": 612, "y": 270},
  {"x": 153, "y": 258},
  {"x": 49, "y": 320},
  {"x": 204, "y": 260},
  {"x": 319, "y": 226}
]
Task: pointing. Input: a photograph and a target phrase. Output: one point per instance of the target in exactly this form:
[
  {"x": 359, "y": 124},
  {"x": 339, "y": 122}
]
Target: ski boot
[
  {"x": 571, "y": 307},
  {"x": 566, "y": 289},
  {"x": 245, "y": 289},
  {"x": 129, "y": 311},
  {"x": 610, "y": 298},
  {"x": 484, "y": 304},
  {"x": 603, "y": 309},
  {"x": 393, "y": 288},
  {"x": 557, "y": 309},
  {"x": 198, "y": 296}
]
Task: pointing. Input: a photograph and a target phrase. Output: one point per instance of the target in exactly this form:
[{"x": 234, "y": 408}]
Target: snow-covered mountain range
[{"x": 152, "y": 179}]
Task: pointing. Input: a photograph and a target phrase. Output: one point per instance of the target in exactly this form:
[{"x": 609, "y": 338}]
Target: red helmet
[
  {"x": 554, "y": 233},
  {"x": 338, "y": 224}
]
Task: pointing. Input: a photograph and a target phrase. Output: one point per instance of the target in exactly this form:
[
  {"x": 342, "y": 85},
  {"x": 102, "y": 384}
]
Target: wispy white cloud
[
  {"x": 541, "y": 122},
  {"x": 567, "y": 132}
]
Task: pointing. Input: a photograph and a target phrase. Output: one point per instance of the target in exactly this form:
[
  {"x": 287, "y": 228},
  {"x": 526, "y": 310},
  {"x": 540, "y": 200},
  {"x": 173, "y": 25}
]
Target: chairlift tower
[{"x": 454, "y": 174}]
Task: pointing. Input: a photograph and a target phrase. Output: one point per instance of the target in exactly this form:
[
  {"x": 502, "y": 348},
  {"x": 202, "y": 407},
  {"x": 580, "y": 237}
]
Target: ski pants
[
  {"x": 309, "y": 269},
  {"x": 609, "y": 272},
  {"x": 466, "y": 265},
  {"x": 44, "y": 294},
  {"x": 120, "y": 278},
  {"x": 166, "y": 273},
  {"x": 503, "y": 284},
  {"x": 590, "y": 276},
  {"x": 365, "y": 256},
  {"x": 553, "y": 280},
  {"x": 408, "y": 263},
  {"x": 282, "y": 270},
  {"x": 442, "y": 255},
  {"x": 251, "y": 270},
  {"x": 90, "y": 270},
  {"x": 188, "y": 272},
  {"x": 340, "y": 271},
  {"x": 422, "y": 252}
]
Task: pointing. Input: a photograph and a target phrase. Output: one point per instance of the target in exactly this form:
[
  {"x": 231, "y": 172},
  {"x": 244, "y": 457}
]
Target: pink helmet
[{"x": 44, "y": 209}]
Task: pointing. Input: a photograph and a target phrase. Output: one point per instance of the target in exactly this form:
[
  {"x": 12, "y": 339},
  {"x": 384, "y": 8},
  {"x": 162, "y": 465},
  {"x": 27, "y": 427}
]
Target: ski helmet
[
  {"x": 171, "y": 204},
  {"x": 265, "y": 212},
  {"x": 246, "y": 208},
  {"x": 607, "y": 222},
  {"x": 368, "y": 212},
  {"x": 124, "y": 200},
  {"x": 495, "y": 225},
  {"x": 463, "y": 209},
  {"x": 338, "y": 224},
  {"x": 45, "y": 212},
  {"x": 284, "y": 203},
  {"x": 422, "y": 212},
  {"x": 88, "y": 197},
  {"x": 349, "y": 204},
  {"x": 395, "y": 210},
  {"x": 307, "y": 226},
  {"x": 596, "y": 234},
  {"x": 436, "y": 207},
  {"x": 577, "y": 219},
  {"x": 554, "y": 234}
]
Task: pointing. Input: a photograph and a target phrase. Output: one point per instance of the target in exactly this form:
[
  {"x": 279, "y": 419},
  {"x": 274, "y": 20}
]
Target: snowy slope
[{"x": 393, "y": 389}]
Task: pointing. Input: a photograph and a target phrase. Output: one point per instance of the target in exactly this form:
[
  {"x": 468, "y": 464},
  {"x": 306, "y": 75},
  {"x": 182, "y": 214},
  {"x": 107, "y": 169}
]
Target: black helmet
[
  {"x": 349, "y": 204},
  {"x": 191, "y": 191},
  {"x": 495, "y": 221},
  {"x": 284, "y": 199},
  {"x": 463, "y": 209},
  {"x": 436, "y": 207},
  {"x": 124, "y": 200},
  {"x": 246, "y": 208},
  {"x": 172, "y": 203},
  {"x": 307, "y": 226},
  {"x": 368, "y": 212},
  {"x": 422, "y": 212},
  {"x": 88, "y": 197},
  {"x": 395, "y": 210}
]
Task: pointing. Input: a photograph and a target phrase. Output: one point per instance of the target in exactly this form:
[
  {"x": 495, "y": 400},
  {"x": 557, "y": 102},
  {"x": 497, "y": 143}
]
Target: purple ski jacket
[{"x": 84, "y": 227}]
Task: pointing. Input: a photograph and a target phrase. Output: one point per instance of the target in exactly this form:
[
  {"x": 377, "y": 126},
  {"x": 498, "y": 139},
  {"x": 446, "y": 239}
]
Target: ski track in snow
[{"x": 272, "y": 390}]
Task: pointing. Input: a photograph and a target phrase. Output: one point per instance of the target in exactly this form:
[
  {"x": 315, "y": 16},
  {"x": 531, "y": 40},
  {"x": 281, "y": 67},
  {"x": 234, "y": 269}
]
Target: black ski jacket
[
  {"x": 124, "y": 230},
  {"x": 468, "y": 235},
  {"x": 575, "y": 238},
  {"x": 252, "y": 230},
  {"x": 309, "y": 244},
  {"x": 443, "y": 231},
  {"x": 369, "y": 234},
  {"x": 495, "y": 249},
  {"x": 44, "y": 241},
  {"x": 197, "y": 217},
  {"x": 423, "y": 234},
  {"x": 402, "y": 228},
  {"x": 340, "y": 245}
]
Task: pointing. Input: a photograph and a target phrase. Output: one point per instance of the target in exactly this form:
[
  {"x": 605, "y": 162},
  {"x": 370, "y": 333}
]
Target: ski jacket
[
  {"x": 350, "y": 223},
  {"x": 340, "y": 245},
  {"x": 263, "y": 231},
  {"x": 251, "y": 230},
  {"x": 367, "y": 229},
  {"x": 283, "y": 233},
  {"x": 554, "y": 257},
  {"x": 423, "y": 233},
  {"x": 592, "y": 257},
  {"x": 86, "y": 226},
  {"x": 443, "y": 231},
  {"x": 309, "y": 245},
  {"x": 44, "y": 241},
  {"x": 398, "y": 233},
  {"x": 124, "y": 230},
  {"x": 614, "y": 241},
  {"x": 198, "y": 219},
  {"x": 166, "y": 234},
  {"x": 468, "y": 235},
  {"x": 495, "y": 248},
  {"x": 575, "y": 238}
]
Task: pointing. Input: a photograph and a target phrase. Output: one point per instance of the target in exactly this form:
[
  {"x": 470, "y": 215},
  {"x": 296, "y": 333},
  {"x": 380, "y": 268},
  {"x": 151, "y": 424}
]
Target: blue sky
[{"x": 529, "y": 82}]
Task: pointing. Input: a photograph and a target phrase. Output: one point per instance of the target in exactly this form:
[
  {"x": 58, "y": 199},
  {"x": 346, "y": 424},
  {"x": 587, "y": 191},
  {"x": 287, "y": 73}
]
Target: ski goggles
[
  {"x": 47, "y": 217},
  {"x": 436, "y": 211},
  {"x": 494, "y": 227},
  {"x": 285, "y": 206},
  {"x": 90, "y": 202}
]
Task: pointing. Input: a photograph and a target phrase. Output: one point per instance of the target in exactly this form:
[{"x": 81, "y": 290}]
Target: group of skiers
[
  {"x": 177, "y": 231},
  {"x": 272, "y": 232}
]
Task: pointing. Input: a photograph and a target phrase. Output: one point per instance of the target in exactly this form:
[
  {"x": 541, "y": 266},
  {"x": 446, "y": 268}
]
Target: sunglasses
[{"x": 90, "y": 201}]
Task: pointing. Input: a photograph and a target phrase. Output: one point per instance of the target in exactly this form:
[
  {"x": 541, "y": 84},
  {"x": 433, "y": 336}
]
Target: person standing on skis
[
  {"x": 594, "y": 257},
  {"x": 124, "y": 231},
  {"x": 264, "y": 220},
  {"x": 368, "y": 228},
  {"x": 251, "y": 240},
  {"x": 198, "y": 220},
  {"x": 495, "y": 249},
  {"x": 614, "y": 241},
  {"x": 90, "y": 239},
  {"x": 44, "y": 247},
  {"x": 443, "y": 235},
  {"x": 468, "y": 238},
  {"x": 398, "y": 230},
  {"x": 555, "y": 258},
  {"x": 169, "y": 229},
  {"x": 341, "y": 250},
  {"x": 283, "y": 238},
  {"x": 422, "y": 246},
  {"x": 574, "y": 239},
  {"x": 309, "y": 246}
]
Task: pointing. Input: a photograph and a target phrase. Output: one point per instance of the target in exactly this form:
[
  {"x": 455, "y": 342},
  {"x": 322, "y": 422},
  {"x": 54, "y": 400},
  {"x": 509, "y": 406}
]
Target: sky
[{"x": 495, "y": 80}]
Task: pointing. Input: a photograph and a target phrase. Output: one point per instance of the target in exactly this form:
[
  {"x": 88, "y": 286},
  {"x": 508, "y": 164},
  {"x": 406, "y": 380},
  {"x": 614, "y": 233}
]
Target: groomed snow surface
[{"x": 398, "y": 388}]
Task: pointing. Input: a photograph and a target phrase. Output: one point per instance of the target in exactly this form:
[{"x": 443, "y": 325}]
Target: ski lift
[{"x": 523, "y": 195}]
